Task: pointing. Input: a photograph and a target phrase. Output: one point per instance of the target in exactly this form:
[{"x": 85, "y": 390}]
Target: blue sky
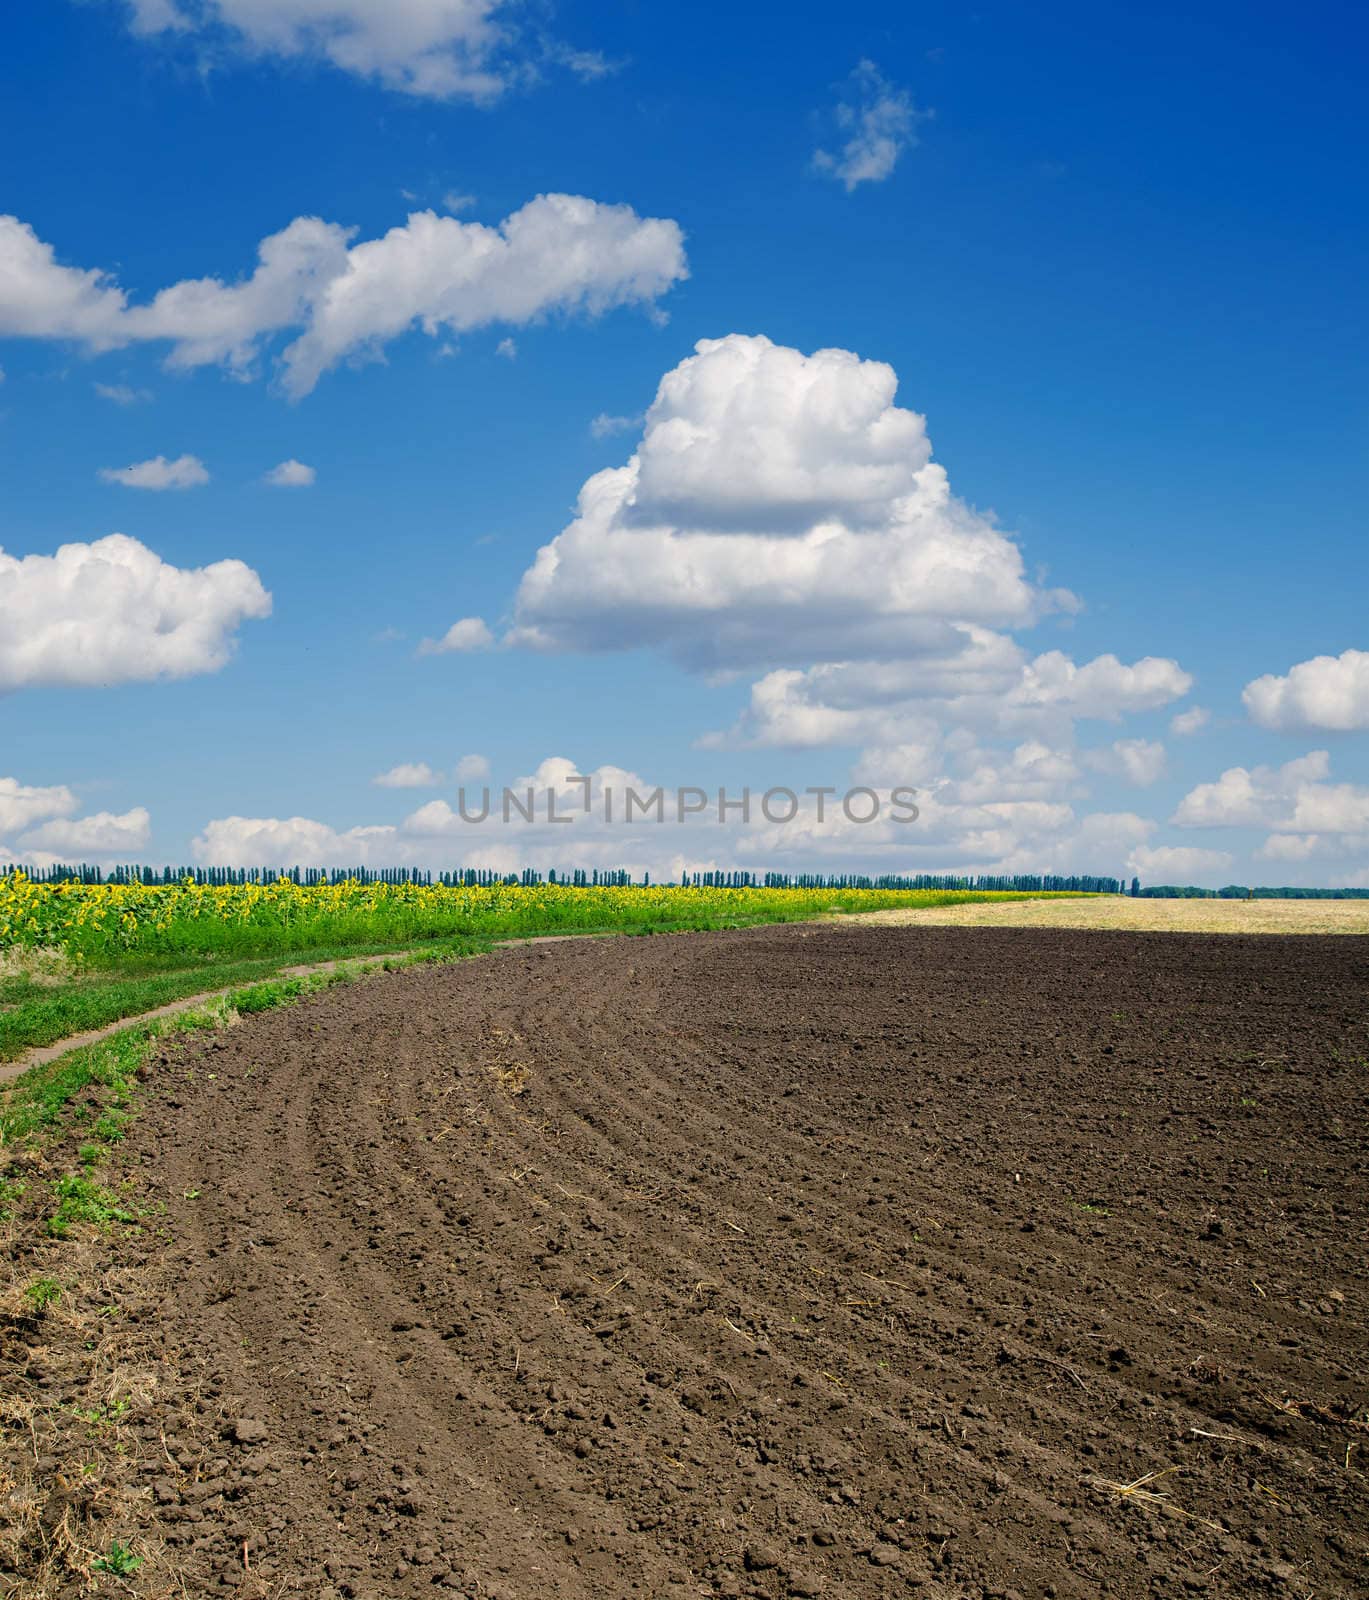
[{"x": 1115, "y": 260}]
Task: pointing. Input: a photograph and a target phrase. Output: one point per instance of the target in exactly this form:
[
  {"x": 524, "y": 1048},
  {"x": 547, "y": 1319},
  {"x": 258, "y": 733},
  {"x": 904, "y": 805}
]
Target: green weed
[
  {"x": 81, "y": 1199},
  {"x": 118, "y": 1560},
  {"x": 105, "y": 1416},
  {"x": 42, "y": 1293}
]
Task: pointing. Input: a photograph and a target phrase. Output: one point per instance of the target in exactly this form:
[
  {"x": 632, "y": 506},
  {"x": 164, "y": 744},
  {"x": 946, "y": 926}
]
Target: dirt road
[{"x": 961, "y": 1264}]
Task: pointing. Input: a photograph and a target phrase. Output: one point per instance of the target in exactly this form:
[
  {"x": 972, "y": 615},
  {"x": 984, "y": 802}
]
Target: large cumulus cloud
[
  {"x": 114, "y": 612},
  {"x": 779, "y": 509},
  {"x": 1328, "y": 693},
  {"x": 783, "y": 515}
]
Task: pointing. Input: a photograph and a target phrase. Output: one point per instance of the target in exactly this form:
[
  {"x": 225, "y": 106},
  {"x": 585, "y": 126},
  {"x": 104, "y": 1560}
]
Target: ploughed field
[{"x": 951, "y": 1263}]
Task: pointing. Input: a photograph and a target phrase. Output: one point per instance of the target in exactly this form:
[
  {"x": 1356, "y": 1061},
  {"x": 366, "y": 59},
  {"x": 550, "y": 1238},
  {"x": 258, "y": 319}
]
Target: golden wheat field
[{"x": 1124, "y": 914}]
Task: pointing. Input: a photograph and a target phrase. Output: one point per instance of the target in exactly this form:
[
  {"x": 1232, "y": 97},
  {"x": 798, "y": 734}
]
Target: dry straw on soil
[{"x": 1123, "y": 914}]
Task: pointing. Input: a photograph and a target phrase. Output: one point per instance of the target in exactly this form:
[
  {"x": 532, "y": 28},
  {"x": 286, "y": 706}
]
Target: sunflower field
[{"x": 100, "y": 924}]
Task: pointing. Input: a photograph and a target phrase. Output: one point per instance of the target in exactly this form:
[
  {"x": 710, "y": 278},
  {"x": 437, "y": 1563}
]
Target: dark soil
[{"x": 793, "y": 1262}]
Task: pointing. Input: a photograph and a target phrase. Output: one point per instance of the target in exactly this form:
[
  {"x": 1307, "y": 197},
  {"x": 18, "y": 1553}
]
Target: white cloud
[
  {"x": 1100, "y": 843},
  {"x": 470, "y": 633},
  {"x": 1328, "y": 847},
  {"x": 1189, "y": 722},
  {"x": 454, "y": 201},
  {"x": 876, "y": 125},
  {"x": 290, "y": 474},
  {"x": 1291, "y": 847},
  {"x": 436, "y": 49},
  {"x": 470, "y": 769},
  {"x": 605, "y": 425},
  {"x": 952, "y": 833},
  {"x": 781, "y": 512},
  {"x": 1139, "y": 761},
  {"x": 558, "y": 254},
  {"x": 1327, "y": 692},
  {"x": 508, "y": 348},
  {"x": 1307, "y": 815},
  {"x": 121, "y": 394},
  {"x": 153, "y": 16},
  {"x": 296, "y": 841},
  {"x": 185, "y": 472},
  {"x": 1104, "y": 687},
  {"x": 115, "y": 612},
  {"x": 204, "y": 319},
  {"x": 1176, "y": 863},
  {"x": 408, "y": 775},
  {"x": 437, "y": 835},
  {"x": 779, "y": 506},
  {"x": 973, "y": 678},
  {"x": 103, "y": 834},
  {"x": 587, "y": 65},
  {"x": 21, "y": 805},
  {"x": 1030, "y": 771},
  {"x": 1254, "y": 797},
  {"x": 41, "y": 299}
]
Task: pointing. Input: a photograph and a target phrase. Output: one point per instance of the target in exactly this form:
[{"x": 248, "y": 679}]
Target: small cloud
[
  {"x": 470, "y": 768},
  {"x": 157, "y": 16},
  {"x": 587, "y": 65},
  {"x": 408, "y": 775},
  {"x": 121, "y": 394},
  {"x": 1190, "y": 722},
  {"x": 185, "y": 472},
  {"x": 387, "y": 636},
  {"x": 467, "y": 635},
  {"x": 508, "y": 348},
  {"x": 454, "y": 202},
  {"x": 605, "y": 426},
  {"x": 1176, "y": 862},
  {"x": 101, "y": 834},
  {"x": 290, "y": 474},
  {"x": 1139, "y": 761},
  {"x": 880, "y": 122}
]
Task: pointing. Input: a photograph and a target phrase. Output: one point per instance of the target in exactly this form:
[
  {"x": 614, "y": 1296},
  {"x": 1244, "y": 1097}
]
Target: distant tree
[{"x": 1135, "y": 888}]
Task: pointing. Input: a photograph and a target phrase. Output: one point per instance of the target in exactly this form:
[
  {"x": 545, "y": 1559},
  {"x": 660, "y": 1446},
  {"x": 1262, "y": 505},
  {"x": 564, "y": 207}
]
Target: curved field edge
[
  {"x": 38, "y": 1100},
  {"x": 62, "y": 1001},
  {"x": 907, "y": 1332},
  {"x": 63, "y": 1206},
  {"x": 101, "y": 1001}
]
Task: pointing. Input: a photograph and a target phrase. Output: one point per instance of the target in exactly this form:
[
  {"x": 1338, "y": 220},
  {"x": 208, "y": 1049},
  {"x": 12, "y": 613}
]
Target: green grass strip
[
  {"x": 42, "y": 1097},
  {"x": 94, "y": 999}
]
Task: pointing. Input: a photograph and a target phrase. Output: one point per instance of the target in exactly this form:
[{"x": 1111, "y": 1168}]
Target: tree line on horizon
[
  {"x": 1237, "y": 891},
  {"x": 577, "y": 878},
  {"x": 617, "y": 877}
]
